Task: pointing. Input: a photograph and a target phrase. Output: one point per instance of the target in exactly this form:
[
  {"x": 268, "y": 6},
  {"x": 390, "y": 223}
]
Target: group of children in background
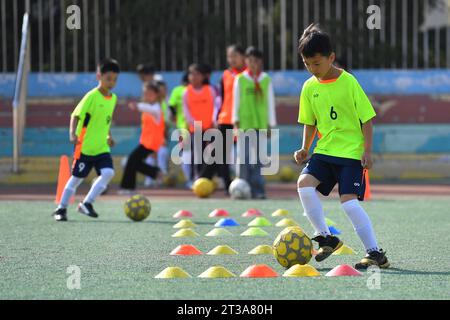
[{"x": 243, "y": 100}]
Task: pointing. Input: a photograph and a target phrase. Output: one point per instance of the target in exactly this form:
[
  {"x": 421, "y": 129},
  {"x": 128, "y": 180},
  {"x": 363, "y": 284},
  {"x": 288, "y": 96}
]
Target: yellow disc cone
[
  {"x": 219, "y": 232},
  {"x": 222, "y": 250},
  {"x": 217, "y": 272},
  {"x": 261, "y": 249},
  {"x": 254, "y": 232},
  {"x": 280, "y": 213},
  {"x": 184, "y": 223},
  {"x": 173, "y": 272},
  {"x": 185, "y": 233},
  {"x": 259, "y": 222},
  {"x": 344, "y": 250},
  {"x": 286, "y": 222},
  {"x": 301, "y": 271}
]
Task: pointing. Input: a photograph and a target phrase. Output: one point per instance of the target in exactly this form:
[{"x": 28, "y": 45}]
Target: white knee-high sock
[
  {"x": 313, "y": 209},
  {"x": 361, "y": 224},
  {"x": 100, "y": 184},
  {"x": 69, "y": 191}
]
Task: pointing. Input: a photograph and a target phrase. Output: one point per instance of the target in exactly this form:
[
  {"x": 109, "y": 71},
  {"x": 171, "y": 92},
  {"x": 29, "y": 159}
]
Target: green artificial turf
[{"x": 120, "y": 258}]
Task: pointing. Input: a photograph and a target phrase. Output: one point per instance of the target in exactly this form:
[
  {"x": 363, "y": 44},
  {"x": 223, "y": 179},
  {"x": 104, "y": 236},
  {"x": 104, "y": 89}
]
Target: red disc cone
[
  {"x": 183, "y": 214},
  {"x": 219, "y": 213},
  {"x": 343, "y": 270},
  {"x": 185, "y": 250},
  {"x": 259, "y": 271},
  {"x": 252, "y": 213}
]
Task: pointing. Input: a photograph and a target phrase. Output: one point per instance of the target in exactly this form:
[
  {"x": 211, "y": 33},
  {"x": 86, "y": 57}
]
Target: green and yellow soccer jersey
[
  {"x": 95, "y": 114},
  {"x": 176, "y": 100},
  {"x": 338, "y": 109}
]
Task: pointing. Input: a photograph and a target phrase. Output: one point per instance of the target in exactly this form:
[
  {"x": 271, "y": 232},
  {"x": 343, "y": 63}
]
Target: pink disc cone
[
  {"x": 219, "y": 213},
  {"x": 252, "y": 213},
  {"x": 183, "y": 214},
  {"x": 343, "y": 270}
]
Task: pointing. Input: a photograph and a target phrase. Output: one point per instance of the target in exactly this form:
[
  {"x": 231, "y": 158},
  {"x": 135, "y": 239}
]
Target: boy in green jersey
[
  {"x": 90, "y": 124},
  {"x": 253, "y": 110},
  {"x": 333, "y": 103}
]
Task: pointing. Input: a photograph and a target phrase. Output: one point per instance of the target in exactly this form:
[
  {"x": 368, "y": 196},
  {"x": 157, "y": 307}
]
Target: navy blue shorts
[
  {"x": 347, "y": 173},
  {"x": 84, "y": 164}
]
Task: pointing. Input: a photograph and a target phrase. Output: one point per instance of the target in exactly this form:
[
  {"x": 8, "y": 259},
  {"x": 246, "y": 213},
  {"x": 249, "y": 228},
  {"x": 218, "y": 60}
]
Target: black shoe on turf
[
  {"x": 327, "y": 245},
  {"x": 373, "y": 258},
  {"x": 60, "y": 214},
  {"x": 87, "y": 209}
]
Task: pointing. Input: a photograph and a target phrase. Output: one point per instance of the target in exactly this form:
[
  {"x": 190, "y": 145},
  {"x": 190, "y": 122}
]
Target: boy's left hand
[
  {"x": 366, "y": 160},
  {"x": 111, "y": 142}
]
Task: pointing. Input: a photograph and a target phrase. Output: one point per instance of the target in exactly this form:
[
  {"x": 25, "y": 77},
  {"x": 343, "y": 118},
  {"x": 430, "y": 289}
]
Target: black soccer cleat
[
  {"x": 327, "y": 245},
  {"x": 373, "y": 258},
  {"x": 60, "y": 214},
  {"x": 87, "y": 209}
]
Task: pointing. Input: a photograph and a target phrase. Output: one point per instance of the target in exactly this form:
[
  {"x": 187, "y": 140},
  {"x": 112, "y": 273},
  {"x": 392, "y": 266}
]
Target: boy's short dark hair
[
  {"x": 314, "y": 41},
  {"x": 254, "y": 52},
  {"x": 108, "y": 65},
  {"x": 237, "y": 48},
  {"x": 151, "y": 85},
  {"x": 145, "y": 68}
]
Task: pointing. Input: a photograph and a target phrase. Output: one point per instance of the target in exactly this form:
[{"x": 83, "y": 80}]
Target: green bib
[{"x": 253, "y": 105}]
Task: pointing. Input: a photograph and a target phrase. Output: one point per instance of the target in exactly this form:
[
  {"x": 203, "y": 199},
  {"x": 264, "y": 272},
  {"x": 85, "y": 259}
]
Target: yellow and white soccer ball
[
  {"x": 137, "y": 208},
  {"x": 203, "y": 187},
  {"x": 292, "y": 246}
]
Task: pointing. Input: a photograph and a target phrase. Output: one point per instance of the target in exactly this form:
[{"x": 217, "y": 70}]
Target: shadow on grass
[{"x": 130, "y": 221}]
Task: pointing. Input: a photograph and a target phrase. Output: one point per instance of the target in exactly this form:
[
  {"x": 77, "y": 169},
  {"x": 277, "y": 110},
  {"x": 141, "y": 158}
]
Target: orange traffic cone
[
  {"x": 367, "y": 193},
  {"x": 63, "y": 177}
]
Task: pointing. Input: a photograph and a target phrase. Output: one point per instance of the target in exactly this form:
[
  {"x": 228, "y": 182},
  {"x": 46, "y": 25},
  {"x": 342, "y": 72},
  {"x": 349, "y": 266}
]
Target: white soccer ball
[{"x": 240, "y": 189}]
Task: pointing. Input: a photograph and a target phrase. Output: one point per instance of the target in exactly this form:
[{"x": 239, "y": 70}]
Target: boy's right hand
[
  {"x": 300, "y": 156},
  {"x": 73, "y": 138}
]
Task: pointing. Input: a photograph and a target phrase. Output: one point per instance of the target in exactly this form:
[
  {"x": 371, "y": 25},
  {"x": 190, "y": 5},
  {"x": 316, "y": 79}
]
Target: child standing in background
[
  {"x": 236, "y": 62},
  {"x": 199, "y": 104},
  {"x": 253, "y": 109},
  {"x": 177, "y": 115}
]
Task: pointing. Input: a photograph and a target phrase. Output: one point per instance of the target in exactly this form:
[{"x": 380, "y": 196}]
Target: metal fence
[{"x": 406, "y": 38}]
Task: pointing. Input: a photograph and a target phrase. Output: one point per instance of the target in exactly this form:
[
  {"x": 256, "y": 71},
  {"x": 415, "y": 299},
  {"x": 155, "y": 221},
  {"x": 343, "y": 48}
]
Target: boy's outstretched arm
[
  {"x": 366, "y": 159},
  {"x": 309, "y": 132},
  {"x": 72, "y": 129}
]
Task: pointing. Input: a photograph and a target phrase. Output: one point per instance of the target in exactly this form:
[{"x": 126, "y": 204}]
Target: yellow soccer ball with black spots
[
  {"x": 137, "y": 208},
  {"x": 292, "y": 246}
]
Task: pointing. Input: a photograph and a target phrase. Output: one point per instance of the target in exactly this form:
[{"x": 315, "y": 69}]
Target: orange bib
[
  {"x": 226, "y": 112},
  {"x": 200, "y": 105},
  {"x": 152, "y": 135}
]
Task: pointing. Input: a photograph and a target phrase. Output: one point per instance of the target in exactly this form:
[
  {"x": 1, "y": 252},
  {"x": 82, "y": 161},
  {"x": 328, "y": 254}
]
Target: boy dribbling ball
[
  {"x": 90, "y": 125},
  {"x": 333, "y": 103}
]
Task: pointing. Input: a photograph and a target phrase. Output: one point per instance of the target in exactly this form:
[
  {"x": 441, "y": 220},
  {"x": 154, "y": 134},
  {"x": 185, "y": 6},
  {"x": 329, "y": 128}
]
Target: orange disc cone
[
  {"x": 343, "y": 270},
  {"x": 185, "y": 250},
  {"x": 63, "y": 176},
  {"x": 367, "y": 193},
  {"x": 259, "y": 271}
]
